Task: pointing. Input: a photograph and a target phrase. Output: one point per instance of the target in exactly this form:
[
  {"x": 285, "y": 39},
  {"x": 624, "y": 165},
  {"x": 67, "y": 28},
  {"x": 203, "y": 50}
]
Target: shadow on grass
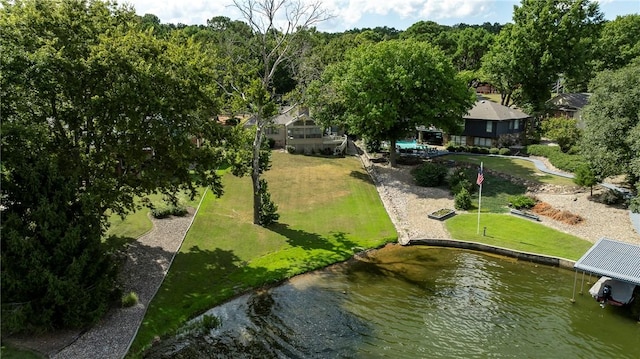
[
  {"x": 337, "y": 242},
  {"x": 361, "y": 176}
]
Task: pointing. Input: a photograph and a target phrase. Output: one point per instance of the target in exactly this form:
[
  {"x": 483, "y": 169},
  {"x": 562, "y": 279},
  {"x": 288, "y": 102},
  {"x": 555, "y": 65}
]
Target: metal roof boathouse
[
  {"x": 614, "y": 259},
  {"x": 618, "y": 264}
]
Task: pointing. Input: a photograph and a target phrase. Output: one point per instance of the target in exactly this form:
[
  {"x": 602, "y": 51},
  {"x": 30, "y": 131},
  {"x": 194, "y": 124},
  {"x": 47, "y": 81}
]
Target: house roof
[
  {"x": 570, "y": 100},
  {"x": 286, "y": 116},
  {"x": 489, "y": 110},
  {"x": 615, "y": 259}
]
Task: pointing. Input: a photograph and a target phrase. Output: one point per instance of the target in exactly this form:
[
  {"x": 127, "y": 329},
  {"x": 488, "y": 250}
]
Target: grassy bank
[
  {"x": 329, "y": 209},
  {"x": 516, "y": 233}
]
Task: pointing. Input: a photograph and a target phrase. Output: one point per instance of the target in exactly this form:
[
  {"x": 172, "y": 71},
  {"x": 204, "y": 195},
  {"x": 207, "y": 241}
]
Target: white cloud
[{"x": 351, "y": 11}]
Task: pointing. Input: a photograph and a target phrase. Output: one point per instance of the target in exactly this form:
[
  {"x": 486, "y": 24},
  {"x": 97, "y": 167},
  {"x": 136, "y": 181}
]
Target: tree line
[{"x": 101, "y": 106}]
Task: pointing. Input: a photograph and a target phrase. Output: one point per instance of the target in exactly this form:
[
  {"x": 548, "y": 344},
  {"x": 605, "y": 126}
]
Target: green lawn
[
  {"x": 516, "y": 233},
  {"x": 138, "y": 223},
  {"x": 329, "y": 209},
  {"x": 516, "y": 167}
]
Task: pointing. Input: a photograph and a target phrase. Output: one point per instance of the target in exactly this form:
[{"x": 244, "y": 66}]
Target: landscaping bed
[{"x": 442, "y": 214}]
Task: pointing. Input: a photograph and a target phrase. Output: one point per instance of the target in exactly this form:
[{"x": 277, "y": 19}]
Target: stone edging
[{"x": 525, "y": 256}]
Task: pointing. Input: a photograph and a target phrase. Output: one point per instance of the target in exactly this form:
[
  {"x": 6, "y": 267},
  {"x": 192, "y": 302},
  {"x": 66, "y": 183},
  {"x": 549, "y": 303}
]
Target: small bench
[{"x": 527, "y": 215}]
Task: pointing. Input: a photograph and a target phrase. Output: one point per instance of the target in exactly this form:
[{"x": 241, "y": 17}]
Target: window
[
  {"x": 489, "y": 126},
  {"x": 482, "y": 142},
  {"x": 297, "y": 132},
  {"x": 314, "y": 132},
  {"x": 458, "y": 140},
  {"x": 516, "y": 124}
]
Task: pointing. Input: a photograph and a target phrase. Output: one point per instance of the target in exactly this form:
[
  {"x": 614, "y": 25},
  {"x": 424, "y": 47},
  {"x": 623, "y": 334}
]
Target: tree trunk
[
  {"x": 255, "y": 170},
  {"x": 392, "y": 153}
]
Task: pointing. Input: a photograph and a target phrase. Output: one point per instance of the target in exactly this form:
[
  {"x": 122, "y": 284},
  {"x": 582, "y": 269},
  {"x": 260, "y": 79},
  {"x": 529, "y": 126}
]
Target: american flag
[{"x": 480, "y": 177}]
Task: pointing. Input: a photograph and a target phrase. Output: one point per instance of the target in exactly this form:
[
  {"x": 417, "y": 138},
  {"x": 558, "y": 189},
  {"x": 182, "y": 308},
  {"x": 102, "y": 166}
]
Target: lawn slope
[{"x": 329, "y": 209}]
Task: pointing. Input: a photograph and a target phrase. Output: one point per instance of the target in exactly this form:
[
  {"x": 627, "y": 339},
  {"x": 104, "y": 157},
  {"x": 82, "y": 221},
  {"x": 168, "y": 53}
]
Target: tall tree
[
  {"x": 389, "y": 88},
  {"x": 271, "y": 46},
  {"x": 471, "y": 44},
  {"x": 552, "y": 37},
  {"x": 619, "y": 42},
  {"x": 95, "y": 112},
  {"x": 499, "y": 66},
  {"x": 611, "y": 139}
]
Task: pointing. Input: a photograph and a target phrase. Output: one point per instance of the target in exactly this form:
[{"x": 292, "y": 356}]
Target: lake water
[{"x": 417, "y": 302}]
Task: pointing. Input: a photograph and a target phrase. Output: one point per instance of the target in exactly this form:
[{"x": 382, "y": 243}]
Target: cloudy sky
[{"x": 351, "y": 14}]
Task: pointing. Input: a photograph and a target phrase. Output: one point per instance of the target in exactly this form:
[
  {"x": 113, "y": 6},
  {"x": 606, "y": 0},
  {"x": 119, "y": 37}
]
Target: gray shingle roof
[
  {"x": 570, "y": 100},
  {"x": 618, "y": 260},
  {"x": 489, "y": 110}
]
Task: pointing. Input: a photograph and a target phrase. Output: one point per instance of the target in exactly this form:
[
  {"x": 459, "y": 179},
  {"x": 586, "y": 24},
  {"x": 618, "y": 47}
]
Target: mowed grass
[
  {"x": 137, "y": 223},
  {"x": 513, "y": 166},
  {"x": 516, "y": 233},
  {"x": 329, "y": 209}
]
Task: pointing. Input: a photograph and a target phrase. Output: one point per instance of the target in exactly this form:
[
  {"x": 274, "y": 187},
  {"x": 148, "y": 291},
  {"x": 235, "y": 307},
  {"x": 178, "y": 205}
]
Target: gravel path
[
  {"x": 144, "y": 270},
  {"x": 408, "y": 206},
  {"x": 147, "y": 262}
]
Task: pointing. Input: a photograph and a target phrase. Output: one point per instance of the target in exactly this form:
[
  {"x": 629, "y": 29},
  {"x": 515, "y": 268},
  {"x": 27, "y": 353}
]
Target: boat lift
[{"x": 619, "y": 265}]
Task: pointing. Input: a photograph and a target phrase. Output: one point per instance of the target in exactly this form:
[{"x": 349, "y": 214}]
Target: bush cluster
[
  {"x": 167, "y": 210},
  {"x": 430, "y": 174},
  {"x": 462, "y": 178},
  {"x": 462, "y": 200},
  {"x": 611, "y": 197},
  {"x": 482, "y": 150},
  {"x": 565, "y": 161},
  {"x": 522, "y": 201}
]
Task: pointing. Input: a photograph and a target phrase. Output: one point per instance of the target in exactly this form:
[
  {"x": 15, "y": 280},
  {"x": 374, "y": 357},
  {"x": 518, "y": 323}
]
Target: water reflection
[{"x": 409, "y": 302}]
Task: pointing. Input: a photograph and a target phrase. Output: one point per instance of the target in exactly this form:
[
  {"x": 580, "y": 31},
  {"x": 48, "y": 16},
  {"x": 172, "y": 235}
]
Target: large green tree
[
  {"x": 611, "y": 140},
  {"x": 548, "y": 38},
  {"x": 94, "y": 113},
  {"x": 619, "y": 42},
  {"x": 389, "y": 88}
]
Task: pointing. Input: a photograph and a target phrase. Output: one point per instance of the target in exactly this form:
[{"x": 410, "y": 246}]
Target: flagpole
[{"x": 481, "y": 173}]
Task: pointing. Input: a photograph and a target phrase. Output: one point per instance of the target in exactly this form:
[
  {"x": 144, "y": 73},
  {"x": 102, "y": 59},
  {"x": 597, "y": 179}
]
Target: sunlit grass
[
  {"x": 329, "y": 209},
  {"x": 516, "y": 233},
  {"x": 520, "y": 168}
]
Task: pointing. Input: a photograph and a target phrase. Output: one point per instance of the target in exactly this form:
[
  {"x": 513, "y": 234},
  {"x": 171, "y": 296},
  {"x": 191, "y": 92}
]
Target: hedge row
[
  {"x": 482, "y": 150},
  {"x": 564, "y": 161}
]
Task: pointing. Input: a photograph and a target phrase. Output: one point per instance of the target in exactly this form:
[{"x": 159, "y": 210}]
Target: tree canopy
[
  {"x": 611, "y": 140},
  {"x": 95, "y": 112},
  {"x": 389, "y": 88},
  {"x": 547, "y": 38}
]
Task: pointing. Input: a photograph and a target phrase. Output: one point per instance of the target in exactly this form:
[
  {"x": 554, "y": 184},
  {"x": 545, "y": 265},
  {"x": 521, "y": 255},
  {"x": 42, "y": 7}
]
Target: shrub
[
  {"x": 563, "y": 161},
  {"x": 504, "y": 152},
  {"x": 291, "y": 149},
  {"x": 522, "y": 201},
  {"x": 268, "y": 210},
  {"x": 129, "y": 300},
  {"x": 611, "y": 197},
  {"x": 462, "y": 200},
  {"x": 166, "y": 210},
  {"x": 452, "y": 147},
  {"x": 483, "y": 150},
  {"x": 461, "y": 178},
  {"x": 494, "y": 151},
  {"x": 430, "y": 174}
]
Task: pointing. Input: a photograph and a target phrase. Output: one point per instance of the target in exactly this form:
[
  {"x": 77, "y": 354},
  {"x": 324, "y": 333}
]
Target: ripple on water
[{"x": 418, "y": 302}]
